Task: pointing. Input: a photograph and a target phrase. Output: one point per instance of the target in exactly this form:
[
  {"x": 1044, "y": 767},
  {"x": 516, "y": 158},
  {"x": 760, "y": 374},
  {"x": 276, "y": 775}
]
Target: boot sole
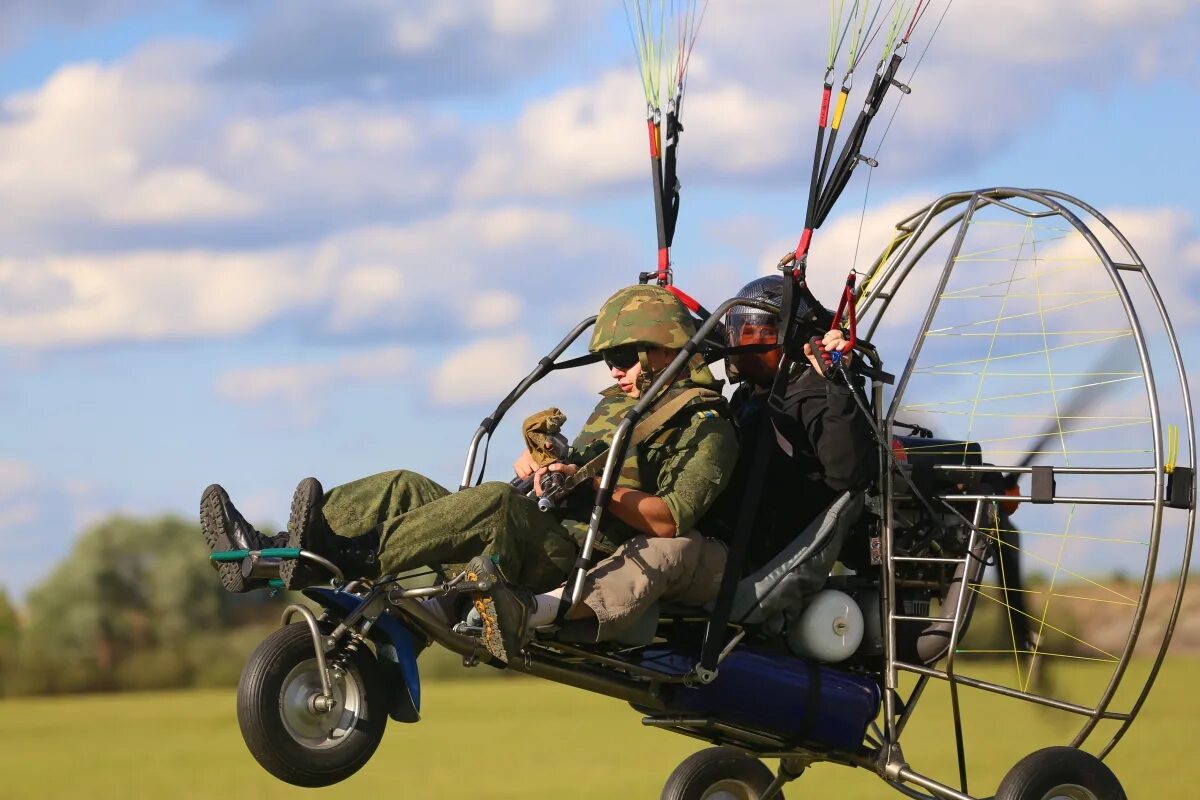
[
  {"x": 216, "y": 536},
  {"x": 485, "y": 604},
  {"x": 492, "y": 640},
  {"x": 292, "y": 572}
]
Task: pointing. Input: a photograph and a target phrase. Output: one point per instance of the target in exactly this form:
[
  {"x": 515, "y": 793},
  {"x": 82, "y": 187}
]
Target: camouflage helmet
[{"x": 644, "y": 315}]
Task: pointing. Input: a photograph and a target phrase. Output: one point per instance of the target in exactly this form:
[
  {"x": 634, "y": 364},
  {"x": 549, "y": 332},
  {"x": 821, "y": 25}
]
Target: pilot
[
  {"x": 822, "y": 444},
  {"x": 398, "y": 521}
]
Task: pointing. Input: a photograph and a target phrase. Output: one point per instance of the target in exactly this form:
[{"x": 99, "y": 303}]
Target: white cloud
[
  {"x": 486, "y": 368},
  {"x": 991, "y": 71},
  {"x": 298, "y": 391},
  {"x": 411, "y": 48},
  {"x": 150, "y": 142},
  {"x": 393, "y": 278},
  {"x": 491, "y": 309},
  {"x": 64, "y": 301},
  {"x": 180, "y": 194}
]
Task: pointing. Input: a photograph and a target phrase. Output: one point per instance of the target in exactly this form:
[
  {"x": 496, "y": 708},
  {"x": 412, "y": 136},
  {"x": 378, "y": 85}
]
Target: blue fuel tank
[{"x": 795, "y": 699}]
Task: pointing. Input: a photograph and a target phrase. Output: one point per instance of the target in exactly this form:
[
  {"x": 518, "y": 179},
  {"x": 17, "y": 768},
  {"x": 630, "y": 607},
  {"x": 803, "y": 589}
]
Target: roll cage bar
[{"x": 714, "y": 648}]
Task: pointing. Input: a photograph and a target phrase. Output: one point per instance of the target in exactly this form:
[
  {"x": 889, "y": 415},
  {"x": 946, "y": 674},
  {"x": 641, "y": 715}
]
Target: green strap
[{"x": 269, "y": 552}]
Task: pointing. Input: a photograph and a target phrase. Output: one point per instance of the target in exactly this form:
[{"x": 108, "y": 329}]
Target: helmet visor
[{"x": 755, "y": 329}]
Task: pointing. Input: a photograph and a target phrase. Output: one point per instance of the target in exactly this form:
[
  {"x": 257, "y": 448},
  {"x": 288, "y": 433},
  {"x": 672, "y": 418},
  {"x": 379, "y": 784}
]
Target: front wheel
[
  {"x": 1060, "y": 773},
  {"x": 282, "y": 729},
  {"x": 719, "y": 773}
]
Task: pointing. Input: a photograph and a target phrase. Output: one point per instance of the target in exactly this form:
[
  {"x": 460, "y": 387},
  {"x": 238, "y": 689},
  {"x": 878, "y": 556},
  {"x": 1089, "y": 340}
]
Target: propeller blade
[
  {"x": 1013, "y": 584},
  {"x": 1080, "y": 402}
]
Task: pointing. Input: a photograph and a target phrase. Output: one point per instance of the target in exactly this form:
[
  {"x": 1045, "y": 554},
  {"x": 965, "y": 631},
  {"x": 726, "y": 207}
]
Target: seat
[{"x": 769, "y": 595}]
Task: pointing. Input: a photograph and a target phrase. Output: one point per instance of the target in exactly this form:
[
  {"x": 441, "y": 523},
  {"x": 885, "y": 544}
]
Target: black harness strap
[{"x": 714, "y": 634}]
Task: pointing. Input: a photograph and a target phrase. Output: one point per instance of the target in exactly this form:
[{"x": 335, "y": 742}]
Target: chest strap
[{"x": 650, "y": 425}]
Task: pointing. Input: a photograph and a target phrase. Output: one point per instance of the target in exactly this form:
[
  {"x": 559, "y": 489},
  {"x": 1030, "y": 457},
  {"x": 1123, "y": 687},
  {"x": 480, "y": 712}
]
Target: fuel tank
[{"x": 798, "y": 700}]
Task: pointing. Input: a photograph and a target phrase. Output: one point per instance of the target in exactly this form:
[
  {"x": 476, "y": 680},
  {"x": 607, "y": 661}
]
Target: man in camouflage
[{"x": 398, "y": 521}]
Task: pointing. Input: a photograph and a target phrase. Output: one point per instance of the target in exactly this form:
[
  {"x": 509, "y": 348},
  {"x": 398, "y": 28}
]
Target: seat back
[{"x": 799, "y": 569}]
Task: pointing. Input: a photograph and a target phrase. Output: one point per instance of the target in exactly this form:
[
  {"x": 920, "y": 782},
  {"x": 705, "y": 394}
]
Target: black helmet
[{"x": 813, "y": 317}]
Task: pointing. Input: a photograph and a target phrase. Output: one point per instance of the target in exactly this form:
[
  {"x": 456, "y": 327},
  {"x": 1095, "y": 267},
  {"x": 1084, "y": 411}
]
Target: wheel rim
[
  {"x": 1070, "y": 791},
  {"x": 312, "y": 729},
  {"x": 730, "y": 789}
]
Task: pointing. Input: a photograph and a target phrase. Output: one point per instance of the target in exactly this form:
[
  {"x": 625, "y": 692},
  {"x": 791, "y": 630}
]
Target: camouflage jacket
[{"x": 686, "y": 463}]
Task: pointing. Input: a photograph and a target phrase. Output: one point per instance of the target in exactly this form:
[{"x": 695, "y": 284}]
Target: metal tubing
[
  {"x": 543, "y": 367},
  {"x": 324, "y": 562},
  {"x": 616, "y": 449},
  {"x": 637, "y": 671},
  {"x": 583, "y": 677},
  {"x": 1188, "y": 421},
  {"x": 1057, "y": 470},
  {"x": 318, "y": 642},
  {"x": 939, "y": 789},
  {"x": 891, "y": 680},
  {"x": 1083, "y": 501},
  {"x": 995, "y": 688},
  {"x": 741, "y": 734}
]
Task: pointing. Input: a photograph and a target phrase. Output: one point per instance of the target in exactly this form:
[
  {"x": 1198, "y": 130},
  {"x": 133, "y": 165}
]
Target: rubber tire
[
  {"x": 258, "y": 710},
  {"x": 1039, "y": 773},
  {"x": 700, "y": 772}
]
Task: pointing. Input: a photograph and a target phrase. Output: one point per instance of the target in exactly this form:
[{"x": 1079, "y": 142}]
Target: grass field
[{"x": 519, "y": 738}]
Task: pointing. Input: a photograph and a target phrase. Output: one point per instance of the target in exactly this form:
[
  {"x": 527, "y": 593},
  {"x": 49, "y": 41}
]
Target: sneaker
[
  {"x": 504, "y": 610},
  {"x": 307, "y": 529},
  {"x": 225, "y": 528}
]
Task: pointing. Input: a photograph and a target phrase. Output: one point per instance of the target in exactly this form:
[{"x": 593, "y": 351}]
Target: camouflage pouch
[{"x": 543, "y": 436}]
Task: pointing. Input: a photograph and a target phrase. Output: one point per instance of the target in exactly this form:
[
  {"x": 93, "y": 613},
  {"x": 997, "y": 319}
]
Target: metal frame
[
  {"x": 605, "y": 672},
  {"x": 887, "y": 277}
]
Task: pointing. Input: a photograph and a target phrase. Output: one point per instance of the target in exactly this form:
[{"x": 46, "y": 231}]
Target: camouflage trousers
[{"x": 422, "y": 524}]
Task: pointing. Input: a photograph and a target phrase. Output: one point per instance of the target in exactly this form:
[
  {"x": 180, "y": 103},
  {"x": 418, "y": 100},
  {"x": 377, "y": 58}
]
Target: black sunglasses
[{"x": 622, "y": 358}]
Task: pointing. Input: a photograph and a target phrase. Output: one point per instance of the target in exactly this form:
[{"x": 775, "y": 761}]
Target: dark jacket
[{"x": 821, "y": 447}]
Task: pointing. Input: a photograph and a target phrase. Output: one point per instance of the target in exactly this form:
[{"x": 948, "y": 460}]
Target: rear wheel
[
  {"x": 282, "y": 729},
  {"x": 1060, "y": 773},
  {"x": 719, "y": 773}
]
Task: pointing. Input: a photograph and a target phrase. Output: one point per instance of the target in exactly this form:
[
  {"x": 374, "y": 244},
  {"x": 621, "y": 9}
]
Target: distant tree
[
  {"x": 9, "y": 633},
  {"x": 128, "y": 584}
]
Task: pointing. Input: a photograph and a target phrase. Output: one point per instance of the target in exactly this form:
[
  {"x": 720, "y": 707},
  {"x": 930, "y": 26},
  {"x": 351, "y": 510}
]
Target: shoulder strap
[{"x": 651, "y": 424}]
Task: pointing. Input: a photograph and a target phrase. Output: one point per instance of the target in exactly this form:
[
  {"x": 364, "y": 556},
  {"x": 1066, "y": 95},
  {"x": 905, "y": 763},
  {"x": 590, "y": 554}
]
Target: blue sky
[{"x": 248, "y": 242}]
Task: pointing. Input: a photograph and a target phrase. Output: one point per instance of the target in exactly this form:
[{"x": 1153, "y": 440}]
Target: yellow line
[
  {"x": 992, "y": 452},
  {"x": 1080, "y": 576},
  {"x": 1023, "y": 416},
  {"x": 1092, "y": 293},
  {"x": 1053, "y": 594},
  {"x": 924, "y": 371},
  {"x": 1047, "y": 655},
  {"x": 965, "y": 289},
  {"x": 1118, "y": 331},
  {"x": 1037, "y": 352},
  {"x": 1039, "y": 393},
  {"x": 1022, "y": 315},
  {"x": 1081, "y": 260},
  {"x": 1051, "y": 627},
  {"x": 990, "y": 250},
  {"x": 1079, "y": 536},
  {"x": 1062, "y": 546},
  {"x": 992, "y": 223}
]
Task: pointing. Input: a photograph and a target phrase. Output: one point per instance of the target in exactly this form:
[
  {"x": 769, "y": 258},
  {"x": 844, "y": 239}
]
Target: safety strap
[{"x": 646, "y": 427}]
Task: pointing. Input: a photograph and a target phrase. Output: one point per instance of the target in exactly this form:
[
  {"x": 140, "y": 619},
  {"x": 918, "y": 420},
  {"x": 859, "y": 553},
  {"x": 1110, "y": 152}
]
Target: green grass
[{"x": 521, "y": 739}]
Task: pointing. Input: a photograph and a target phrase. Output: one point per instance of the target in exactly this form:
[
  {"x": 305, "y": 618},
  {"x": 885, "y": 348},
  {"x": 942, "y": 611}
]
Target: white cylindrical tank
[{"x": 830, "y": 628}]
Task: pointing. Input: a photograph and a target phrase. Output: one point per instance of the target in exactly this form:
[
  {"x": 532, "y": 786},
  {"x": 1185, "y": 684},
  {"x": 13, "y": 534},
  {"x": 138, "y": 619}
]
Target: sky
[{"x": 249, "y": 242}]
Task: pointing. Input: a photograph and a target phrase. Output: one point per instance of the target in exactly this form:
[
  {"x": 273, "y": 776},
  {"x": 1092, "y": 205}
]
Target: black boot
[
  {"x": 307, "y": 529},
  {"x": 225, "y": 528}
]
